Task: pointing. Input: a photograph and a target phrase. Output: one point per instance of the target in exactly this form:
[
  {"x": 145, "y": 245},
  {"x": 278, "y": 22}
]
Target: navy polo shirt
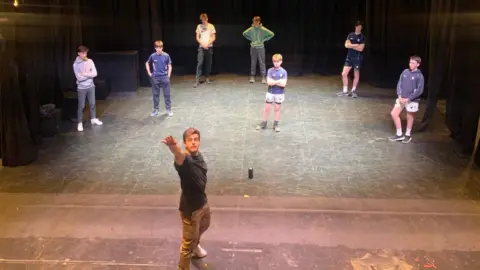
[
  {"x": 277, "y": 74},
  {"x": 159, "y": 64},
  {"x": 355, "y": 39}
]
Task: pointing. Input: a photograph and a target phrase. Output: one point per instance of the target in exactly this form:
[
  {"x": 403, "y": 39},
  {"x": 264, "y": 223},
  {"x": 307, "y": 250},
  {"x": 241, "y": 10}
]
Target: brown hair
[
  {"x": 203, "y": 16},
  {"x": 158, "y": 43},
  {"x": 189, "y": 132},
  {"x": 416, "y": 58},
  {"x": 257, "y": 19},
  {"x": 82, "y": 48}
]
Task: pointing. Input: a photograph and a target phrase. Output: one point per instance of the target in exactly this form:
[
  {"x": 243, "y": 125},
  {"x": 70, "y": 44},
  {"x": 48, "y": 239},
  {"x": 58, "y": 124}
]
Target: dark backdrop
[{"x": 309, "y": 33}]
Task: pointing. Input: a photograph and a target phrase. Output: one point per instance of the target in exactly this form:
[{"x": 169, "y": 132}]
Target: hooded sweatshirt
[
  {"x": 258, "y": 36},
  {"x": 410, "y": 85},
  {"x": 85, "y": 71}
]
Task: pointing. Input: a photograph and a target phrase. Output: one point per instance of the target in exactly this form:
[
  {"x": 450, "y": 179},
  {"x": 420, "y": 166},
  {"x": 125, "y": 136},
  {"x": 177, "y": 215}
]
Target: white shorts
[
  {"x": 410, "y": 107},
  {"x": 277, "y": 98}
]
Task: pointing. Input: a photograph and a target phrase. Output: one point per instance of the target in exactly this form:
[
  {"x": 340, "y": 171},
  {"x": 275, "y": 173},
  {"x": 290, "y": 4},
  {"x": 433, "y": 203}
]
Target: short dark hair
[
  {"x": 358, "y": 23},
  {"x": 82, "y": 48},
  {"x": 257, "y": 18},
  {"x": 416, "y": 58},
  {"x": 190, "y": 132}
]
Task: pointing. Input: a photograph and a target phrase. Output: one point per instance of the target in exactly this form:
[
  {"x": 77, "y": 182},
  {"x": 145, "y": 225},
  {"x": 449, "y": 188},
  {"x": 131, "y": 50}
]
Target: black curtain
[
  {"x": 35, "y": 70},
  {"x": 441, "y": 53},
  {"x": 16, "y": 143},
  {"x": 463, "y": 100},
  {"x": 309, "y": 33}
]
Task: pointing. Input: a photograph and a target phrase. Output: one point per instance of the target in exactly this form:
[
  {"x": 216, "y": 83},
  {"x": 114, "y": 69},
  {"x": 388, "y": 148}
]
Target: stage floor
[
  {"x": 327, "y": 189},
  {"x": 328, "y": 146}
]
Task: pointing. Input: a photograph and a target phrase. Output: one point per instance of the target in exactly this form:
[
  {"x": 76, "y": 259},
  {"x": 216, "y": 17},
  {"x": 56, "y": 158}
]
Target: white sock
[
  {"x": 353, "y": 89},
  {"x": 399, "y": 132},
  {"x": 407, "y": 133},
  {"x": 345, "y": 89}
]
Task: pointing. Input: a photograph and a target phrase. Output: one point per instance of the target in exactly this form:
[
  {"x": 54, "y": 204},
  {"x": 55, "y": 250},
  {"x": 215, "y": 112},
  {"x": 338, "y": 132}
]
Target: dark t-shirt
[
  {"x": 159, "y": 64},
  {"x": 355, "y": 39},
  {"x": 193, "y": 180}
]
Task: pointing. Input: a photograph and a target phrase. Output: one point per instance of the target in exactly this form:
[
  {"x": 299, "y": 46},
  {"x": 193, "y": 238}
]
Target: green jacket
[{"x": 258, "y": 35}]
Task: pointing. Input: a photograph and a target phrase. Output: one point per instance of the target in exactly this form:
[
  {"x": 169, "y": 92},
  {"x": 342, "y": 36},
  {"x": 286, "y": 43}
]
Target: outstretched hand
[{"x": 169, "y": 141}]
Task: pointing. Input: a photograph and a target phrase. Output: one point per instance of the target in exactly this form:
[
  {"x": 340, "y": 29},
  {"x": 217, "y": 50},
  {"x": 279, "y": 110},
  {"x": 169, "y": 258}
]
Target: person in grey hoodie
[
  {"x": 257, "y": 34},
  {"x": 85, "y": 71},
  {"x": 409, "y": 89}
]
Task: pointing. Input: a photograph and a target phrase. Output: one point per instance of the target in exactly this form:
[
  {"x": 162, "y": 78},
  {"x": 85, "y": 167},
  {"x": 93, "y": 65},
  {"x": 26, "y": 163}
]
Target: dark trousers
[
  {"x": 83, "y": 94},
  {"x": 192, "y": 229},
  {"x": 257, "y": 54},
  {"x": 157, "y": 84},
  {"x": 204, "y": 56}
]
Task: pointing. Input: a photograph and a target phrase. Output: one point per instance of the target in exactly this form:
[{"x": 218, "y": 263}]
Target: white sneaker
[
  {"x": 80, "y": 127},
  {"x": 170, "y": 113},
  {"x": 199, "y": 252},
  {"x": 97, "y": 122}
]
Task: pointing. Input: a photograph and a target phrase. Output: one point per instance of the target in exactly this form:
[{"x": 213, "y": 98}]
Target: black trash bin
[{"x": 48, "y": 120}]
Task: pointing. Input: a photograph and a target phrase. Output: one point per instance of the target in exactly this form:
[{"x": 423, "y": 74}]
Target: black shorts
[{"x": 355, "y": 62}]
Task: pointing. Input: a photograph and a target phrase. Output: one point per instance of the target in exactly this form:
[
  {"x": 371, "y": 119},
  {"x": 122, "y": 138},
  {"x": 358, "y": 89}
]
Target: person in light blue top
[
  {"x": 159, "y": 69},
  {"x": 85, "y": 71}
]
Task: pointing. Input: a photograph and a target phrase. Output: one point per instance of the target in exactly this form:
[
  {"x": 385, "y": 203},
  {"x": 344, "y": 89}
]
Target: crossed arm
[
  {"x": 356, "y": 47},
  {"x": 83, "y": 76},
  {"x": 272, "y": 82}
]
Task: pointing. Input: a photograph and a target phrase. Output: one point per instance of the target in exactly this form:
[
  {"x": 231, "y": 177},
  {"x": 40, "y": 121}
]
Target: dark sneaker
[
  {"x": 195, "y": 85},
  {"x": 354, "y": 94},
  {"x": 275, "y": 126},
  {"x": 208, "y": 80},
  {"x": 262, "y": 125},
  {"x": 396, "y": 138},
  {"x": 342, "y": 94},
  {"x": 154, "y": 113},
  {"x": 252, "y": 79},
  {"x": 407, "y": 139}
]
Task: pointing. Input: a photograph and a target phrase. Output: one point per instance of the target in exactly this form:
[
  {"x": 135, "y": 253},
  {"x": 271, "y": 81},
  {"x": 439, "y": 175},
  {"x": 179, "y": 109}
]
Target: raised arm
[{"x": 175, "y": 149}]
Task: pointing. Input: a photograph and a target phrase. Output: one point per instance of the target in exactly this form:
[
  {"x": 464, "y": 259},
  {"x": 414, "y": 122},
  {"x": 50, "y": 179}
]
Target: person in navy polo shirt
[
  {"x": 276, "y": 81},
  {"x": 161, "y": 64},
  {"x": 355, "y": 44}
]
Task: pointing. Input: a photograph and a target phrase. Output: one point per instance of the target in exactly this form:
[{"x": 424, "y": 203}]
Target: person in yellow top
[{"x": 257, "y": 34}]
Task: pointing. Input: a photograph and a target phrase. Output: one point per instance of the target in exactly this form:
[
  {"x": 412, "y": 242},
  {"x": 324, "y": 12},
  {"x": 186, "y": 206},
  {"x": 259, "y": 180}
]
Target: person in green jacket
[{"x": 257, "y": 34}]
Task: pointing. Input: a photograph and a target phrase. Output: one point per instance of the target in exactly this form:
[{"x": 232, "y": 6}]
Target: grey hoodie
[
  {"x": 410, "y": 85},
  {"x": 85, "y": 71}
]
